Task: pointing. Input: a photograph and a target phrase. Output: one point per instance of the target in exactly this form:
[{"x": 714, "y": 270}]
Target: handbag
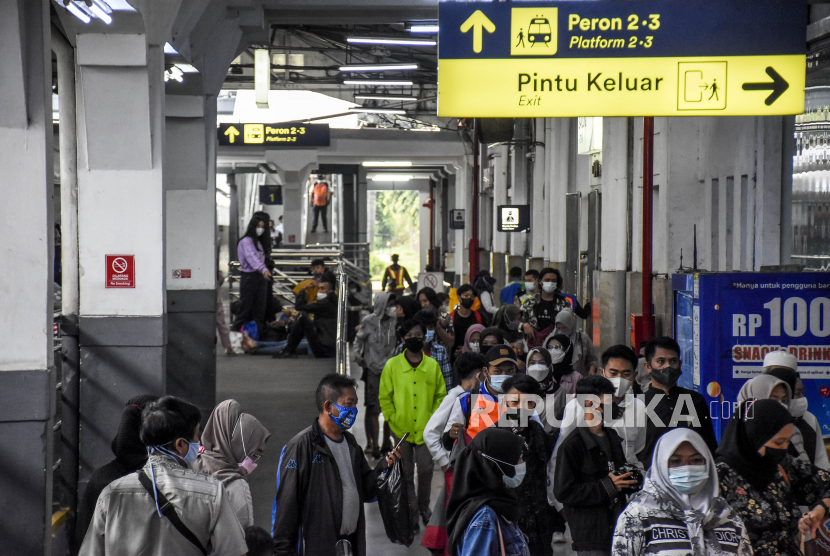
[{"x": 168, "y": 510}]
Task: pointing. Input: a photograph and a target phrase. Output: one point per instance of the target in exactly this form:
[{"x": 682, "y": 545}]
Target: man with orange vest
[
  {"x": 475, "y": 410},
  {"x": 320, "y": 196},
  {"x": 394, "y": 276}
]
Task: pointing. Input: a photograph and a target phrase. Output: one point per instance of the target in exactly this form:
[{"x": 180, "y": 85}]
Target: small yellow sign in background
[{"x": 533, "y": 31}]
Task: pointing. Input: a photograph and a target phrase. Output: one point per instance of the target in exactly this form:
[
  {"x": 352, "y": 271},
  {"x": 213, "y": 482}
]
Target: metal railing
[
  {"x": 822, "y": 268},
  {"x": 291, "y": 267},
  {"x": 342, "y": 346}
]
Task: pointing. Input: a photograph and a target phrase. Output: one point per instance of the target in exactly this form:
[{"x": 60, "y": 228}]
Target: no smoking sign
[{"x": 120, "y": 271}]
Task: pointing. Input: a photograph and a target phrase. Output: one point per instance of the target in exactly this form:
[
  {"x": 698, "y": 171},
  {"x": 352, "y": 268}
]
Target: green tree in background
[{"x": 396, "y": 217}]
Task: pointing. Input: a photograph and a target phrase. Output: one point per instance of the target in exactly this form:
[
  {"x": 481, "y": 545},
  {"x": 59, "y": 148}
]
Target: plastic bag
[
  {"x": 394, "y": 505},
  {"x": 236, "y": 341}
]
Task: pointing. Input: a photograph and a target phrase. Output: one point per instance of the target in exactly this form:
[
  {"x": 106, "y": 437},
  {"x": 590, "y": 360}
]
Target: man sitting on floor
[{"x": 321, "y": 330}]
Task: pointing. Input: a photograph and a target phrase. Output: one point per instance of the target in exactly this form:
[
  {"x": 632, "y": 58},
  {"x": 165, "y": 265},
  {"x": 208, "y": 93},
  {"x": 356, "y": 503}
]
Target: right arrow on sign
[{"x": 778, "y": 85}]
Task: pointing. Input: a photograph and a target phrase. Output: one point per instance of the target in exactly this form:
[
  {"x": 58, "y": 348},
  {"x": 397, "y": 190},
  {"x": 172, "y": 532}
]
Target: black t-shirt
[
  {"x": 546, "y": 312},
  {"x": 460, "y": 325}
]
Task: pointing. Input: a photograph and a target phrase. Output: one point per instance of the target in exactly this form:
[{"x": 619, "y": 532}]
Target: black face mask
[
  {"x": 667, "y": 376},
  {"x": 467, "y": 302},
  {"x": 774, "y": 455},
  {"x": 414, "y": 345}
]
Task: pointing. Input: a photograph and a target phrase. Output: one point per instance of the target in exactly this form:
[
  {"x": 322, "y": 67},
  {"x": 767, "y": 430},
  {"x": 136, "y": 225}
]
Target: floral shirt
[{"x": 771, "y": 515}]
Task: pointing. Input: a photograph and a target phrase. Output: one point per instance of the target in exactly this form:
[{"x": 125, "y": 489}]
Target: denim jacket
[{"x": 482, "y": 536}]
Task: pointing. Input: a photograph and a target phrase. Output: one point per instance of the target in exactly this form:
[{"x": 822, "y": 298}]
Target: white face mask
[
  {"x": 260, "y": 231},
  {"x": 496, "y": 381},
  {"x": 556, "y": 355},
  {"x": 474, "y": 347},
  {"x": 549, "y": 287},
  {"x": 798, "y": 407},
  {"x": 391, "y": 312},
  {"x": 621, "y": 384},
  {"x": 322, "y": 295},
  {"x": 529, "y": 286},
  {"x": 445, "y": 308},
  {"x": 538, "y": 371}
]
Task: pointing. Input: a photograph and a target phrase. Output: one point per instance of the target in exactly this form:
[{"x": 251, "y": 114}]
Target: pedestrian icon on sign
[{"x": 521, "y": 39}]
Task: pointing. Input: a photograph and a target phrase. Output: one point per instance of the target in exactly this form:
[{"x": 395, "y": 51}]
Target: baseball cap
[
  {"x": 781, "y": 359},
  {"x": 501, "y": 353}
]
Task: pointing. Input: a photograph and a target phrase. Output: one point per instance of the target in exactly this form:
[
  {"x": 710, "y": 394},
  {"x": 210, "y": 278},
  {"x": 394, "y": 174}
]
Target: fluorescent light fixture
[
  {"x": 380, "y": 67},
  {"x": 387, "y": 164},
  {"x": 77, "y": 12},
  {"x": 392, "y": 177},
  {"x": 174, "y": 73},
  {"x": 385, "y": 97},
  {"x": 100, "y": 14},
  {"x": 391, "y": 40},
  {"x": 187, "y": 68},
  {"x": 423, "y": 29},
  {"x": 103, "y": 6},
  {"x": 370, "y": 110},
  {"x": 262, "y": 76},
  {"x": 168, "y": 49},
  {"x": 378, "y": 82}
]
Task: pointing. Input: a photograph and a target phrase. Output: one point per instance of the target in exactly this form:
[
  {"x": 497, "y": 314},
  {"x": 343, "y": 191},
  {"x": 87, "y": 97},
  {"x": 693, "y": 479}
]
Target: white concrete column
[
  {"x": 519, "y": 183},
  {"x": 463, "y": 200},
  {"x": 27, "y": 389},
  {"x": 293, "y": 168},
  {"x": 539, "y": 222},
  {"x": 121, "y": 211},
  {"x": 500, "y": 160},
  {"x": 614, "y": 225},
  {"x": 423, "y": 228},
  {"x": 560, "y": 172}
]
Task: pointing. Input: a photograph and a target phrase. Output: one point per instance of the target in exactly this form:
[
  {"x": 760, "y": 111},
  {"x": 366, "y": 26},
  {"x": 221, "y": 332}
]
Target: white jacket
[{"x": 435, "y": 427}]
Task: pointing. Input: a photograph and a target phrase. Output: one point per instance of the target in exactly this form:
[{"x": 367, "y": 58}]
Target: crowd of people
[{"x": 534, "y": 436}]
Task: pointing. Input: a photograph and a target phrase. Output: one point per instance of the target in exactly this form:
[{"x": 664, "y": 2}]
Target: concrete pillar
[
  {"x": 233, "y": 216},
  {"x": 27, "y": 381},
  {"x": 121, "y": 126},
  {"x": 463, "y": 200},
  {"x": 615, "y": 178},
  {"x": 560, "y": 176},
  {"x": 539, "y": 222},
  {"x": 500, "y": 239},
  {"x": 190, "y": 246},
  {"x": 519, "y": 179},
  {"x": 293, "y": 168},
  {"x": 423, "y": 228}
]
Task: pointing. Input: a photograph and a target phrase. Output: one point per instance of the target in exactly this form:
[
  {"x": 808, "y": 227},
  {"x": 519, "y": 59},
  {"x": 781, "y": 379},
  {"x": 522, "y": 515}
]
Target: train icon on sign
[{"x": 539, "y": 32}]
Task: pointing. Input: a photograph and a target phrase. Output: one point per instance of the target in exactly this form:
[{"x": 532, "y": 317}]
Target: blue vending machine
[{"x": 726, "y": 324}]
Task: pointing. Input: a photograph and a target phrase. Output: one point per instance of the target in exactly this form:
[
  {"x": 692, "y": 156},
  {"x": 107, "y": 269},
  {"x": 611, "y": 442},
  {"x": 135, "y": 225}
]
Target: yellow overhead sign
[
  {"x": 620, "y": 86},
  {"x": 621, "y": 58}
]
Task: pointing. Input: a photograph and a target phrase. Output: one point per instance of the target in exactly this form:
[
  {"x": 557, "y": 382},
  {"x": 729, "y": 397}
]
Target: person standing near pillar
[
  {"x": 320, "y": 197},
  {"x": 396, "y": 274},
  {"x": 253, "y": 287}
]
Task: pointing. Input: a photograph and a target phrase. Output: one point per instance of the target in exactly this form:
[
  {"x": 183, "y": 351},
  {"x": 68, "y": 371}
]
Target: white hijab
[
  {"x": 761, "y": 387},
  {"x": 567, "y": 318},
  {"x": 704, "y": 508}
]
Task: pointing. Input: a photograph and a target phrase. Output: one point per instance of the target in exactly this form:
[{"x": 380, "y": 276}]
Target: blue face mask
[
  {"x": 189, "y": 458},
  {"x": 515, "y": 480},
  {"x": 688, "y": 479},
  {"x": 347, "y": 417},
  {"x": 429, "y": 336}
]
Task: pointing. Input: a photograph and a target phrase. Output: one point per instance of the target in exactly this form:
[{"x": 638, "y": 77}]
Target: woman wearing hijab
[
  {"x": 764, "y": 484},
  {"x": 509, "y": 320},
  {"x": 491, "y": 336},
  {"x": 540, "y": 367},
  {"x": 681, "y": 501},
  {"x": 483, "y": 284},
  {"x": 804, "y": 440},
  {"x": 560, "y": 348},
  {"x": 584, "y": 358},
  {"x": 233, "y": 443},
  {"x": 472, "y": 340},
  {"x": 130, "y": 455},
  {"x": 807, "y": 437},
  {"x": 483, "y": 508}
]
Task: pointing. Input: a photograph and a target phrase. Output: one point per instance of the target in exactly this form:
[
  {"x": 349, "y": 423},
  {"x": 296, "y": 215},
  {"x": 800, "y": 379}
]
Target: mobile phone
[{"x": 401, "y": 441}]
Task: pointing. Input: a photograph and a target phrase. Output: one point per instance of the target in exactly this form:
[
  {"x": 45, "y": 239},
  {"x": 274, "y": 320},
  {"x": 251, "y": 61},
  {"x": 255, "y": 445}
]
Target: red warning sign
[{"x": 120, "y": 271}]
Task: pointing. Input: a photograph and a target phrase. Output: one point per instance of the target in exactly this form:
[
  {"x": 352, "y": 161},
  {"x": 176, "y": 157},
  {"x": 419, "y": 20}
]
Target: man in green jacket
[{"x": 411, "y": 389}]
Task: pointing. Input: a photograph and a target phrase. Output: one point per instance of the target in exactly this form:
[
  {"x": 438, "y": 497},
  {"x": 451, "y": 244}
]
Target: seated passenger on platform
[{"x": 320, "y": 330}]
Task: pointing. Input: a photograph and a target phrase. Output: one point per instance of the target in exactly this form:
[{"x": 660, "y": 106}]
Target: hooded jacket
[
  {"x": 584, "y": 355},
  {"x": 308, "y": 507},
  {"x": 569, "y": 376},
  {"x": 375, "y": 341},
  {"x": 130, "y": 455},
  {"x": 661, "y": 521}
]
